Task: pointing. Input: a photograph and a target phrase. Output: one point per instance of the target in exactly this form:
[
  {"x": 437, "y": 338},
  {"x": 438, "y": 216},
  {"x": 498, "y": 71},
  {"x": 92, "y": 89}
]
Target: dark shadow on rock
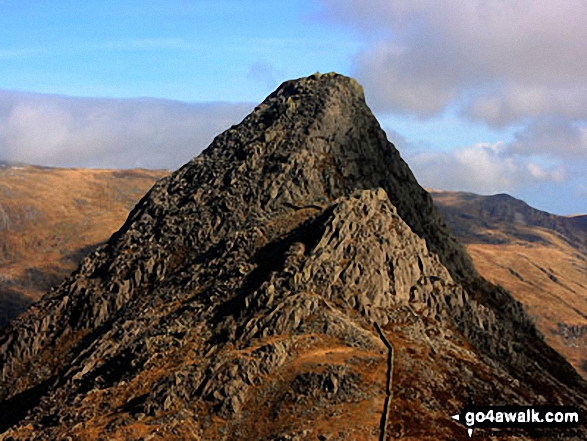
[
  {"x": 270, "y": 258},
  {"x": 109, "y": 373},
  {"x": 78, "y": 255},
  {"x": 12, "y": 304},
  {"x": 16, "y": 408}
]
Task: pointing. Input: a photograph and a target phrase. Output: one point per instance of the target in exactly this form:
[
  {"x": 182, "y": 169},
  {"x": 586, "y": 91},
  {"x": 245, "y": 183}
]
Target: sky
[{"x": 487, "y": 96}]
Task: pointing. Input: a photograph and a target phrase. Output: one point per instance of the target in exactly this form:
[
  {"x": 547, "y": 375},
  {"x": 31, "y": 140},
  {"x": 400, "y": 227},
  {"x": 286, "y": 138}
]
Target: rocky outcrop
[{"x": 239, "y": 300}]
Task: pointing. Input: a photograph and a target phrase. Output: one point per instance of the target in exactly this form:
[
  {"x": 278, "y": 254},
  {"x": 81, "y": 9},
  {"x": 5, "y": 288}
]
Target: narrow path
[{"x": 388, "y": 386}]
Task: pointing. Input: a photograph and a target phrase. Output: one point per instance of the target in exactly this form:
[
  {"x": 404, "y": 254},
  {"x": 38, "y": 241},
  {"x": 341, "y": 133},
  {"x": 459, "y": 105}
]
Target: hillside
[
  {"x": 539, "y": 257},
  {"x": 50, "y": 218},
  {"x": 294, "y": 281}
]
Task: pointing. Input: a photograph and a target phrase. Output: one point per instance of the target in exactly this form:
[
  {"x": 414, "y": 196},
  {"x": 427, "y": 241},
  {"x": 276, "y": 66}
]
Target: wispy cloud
[
  {"x": 553, "y": 137},
  {"x": 91, "y": 132},
  {"x": 11, "y": 54},
  {"x": 482, "y": 168}
]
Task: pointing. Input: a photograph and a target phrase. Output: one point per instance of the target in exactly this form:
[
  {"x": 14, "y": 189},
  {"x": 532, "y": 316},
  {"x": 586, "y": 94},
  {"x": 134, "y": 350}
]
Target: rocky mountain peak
[
  {"x": 254, "y": 293},
  {"x": 312, "y": 141}
]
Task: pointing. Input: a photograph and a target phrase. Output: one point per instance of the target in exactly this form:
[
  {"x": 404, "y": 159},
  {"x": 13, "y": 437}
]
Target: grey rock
[{"x": 295, "y": 231}]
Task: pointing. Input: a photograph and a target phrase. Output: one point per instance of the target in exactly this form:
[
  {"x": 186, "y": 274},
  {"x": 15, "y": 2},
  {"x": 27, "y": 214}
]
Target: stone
[{"x": 243, "y": 290}]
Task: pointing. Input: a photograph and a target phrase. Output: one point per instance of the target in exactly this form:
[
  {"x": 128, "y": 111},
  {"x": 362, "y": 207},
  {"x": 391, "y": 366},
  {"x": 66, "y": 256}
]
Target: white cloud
[
  {"x": 481, "y": 168},
  {"x": 515, "y": 66},
  {"x": 519, "y": 102},
  {"x": 91, "y": 132},
  {"x": 554, "y": 174},
  {"x": 393, "y": 82},
  {"x": 554, "y": 137},
  {"x": 503, "y": 60}
]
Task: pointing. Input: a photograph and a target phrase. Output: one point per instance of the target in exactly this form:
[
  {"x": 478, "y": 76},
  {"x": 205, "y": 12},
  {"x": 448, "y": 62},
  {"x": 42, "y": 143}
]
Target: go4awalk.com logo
[{"x": 477, "y": 417}]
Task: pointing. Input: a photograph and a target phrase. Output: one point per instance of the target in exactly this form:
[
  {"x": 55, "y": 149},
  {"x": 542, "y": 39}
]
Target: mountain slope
[
  {"x": 539, "y": 257},
  {"x": 50, "y": 218},
  {"x": 473, "y": 218},
  {"x": 243, "y": 295}
]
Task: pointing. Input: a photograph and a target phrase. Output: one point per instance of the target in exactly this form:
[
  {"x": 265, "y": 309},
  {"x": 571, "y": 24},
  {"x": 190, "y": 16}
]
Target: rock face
[{"x": 240, "y": 298}]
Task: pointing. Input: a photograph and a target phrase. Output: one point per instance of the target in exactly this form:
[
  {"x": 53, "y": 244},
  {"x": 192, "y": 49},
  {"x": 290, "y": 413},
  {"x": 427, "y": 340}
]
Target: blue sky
[
  {"x": 183, "y": 50},
  {"x": 478, "y": 96}
]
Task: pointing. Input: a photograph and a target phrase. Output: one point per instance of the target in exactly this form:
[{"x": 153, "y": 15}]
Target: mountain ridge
[
  {"x": 260, "y": 267},
  {"x": 507, "y": 209}
]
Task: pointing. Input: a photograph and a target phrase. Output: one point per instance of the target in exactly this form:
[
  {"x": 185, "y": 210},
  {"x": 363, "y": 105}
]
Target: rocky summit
[{"x": 293, "y": 282}]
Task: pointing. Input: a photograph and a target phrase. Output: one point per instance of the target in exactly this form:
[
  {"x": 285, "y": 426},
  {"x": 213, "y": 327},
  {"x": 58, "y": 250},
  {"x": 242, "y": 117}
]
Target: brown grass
[
  {"x": 55, "y": 216},
  {"x": 549, "y": 279}
]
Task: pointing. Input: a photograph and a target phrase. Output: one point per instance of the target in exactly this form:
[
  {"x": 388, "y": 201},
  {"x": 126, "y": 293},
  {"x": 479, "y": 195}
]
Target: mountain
[
  {"x": 502, "y": 218},
  {"x": 539, "y": 257},
  {"x": 292, "y": 282},
  {"x": 50, "y": 218}
]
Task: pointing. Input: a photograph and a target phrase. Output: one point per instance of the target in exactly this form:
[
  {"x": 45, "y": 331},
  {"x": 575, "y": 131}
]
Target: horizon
[
  {"x": 145, "y": 85},
  {"x": 21, "y": 165}
]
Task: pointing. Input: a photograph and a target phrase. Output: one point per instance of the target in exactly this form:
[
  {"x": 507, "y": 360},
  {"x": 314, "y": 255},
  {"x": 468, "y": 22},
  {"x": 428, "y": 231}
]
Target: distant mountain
[
  {"x": 293, "y": 282},
  {"x": 539, "y": 257},
  {"x": 50, "y": 218},
  {"x": 476, "y": 218}
]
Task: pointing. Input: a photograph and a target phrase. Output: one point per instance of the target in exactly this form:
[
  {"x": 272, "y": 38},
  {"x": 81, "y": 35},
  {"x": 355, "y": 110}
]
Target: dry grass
[
  {"x": 550, "y": 280},
  {"x": 540, "y": 258},
  {"x": 50, "y": 218},
  {"x": 277, "y": 405}
]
